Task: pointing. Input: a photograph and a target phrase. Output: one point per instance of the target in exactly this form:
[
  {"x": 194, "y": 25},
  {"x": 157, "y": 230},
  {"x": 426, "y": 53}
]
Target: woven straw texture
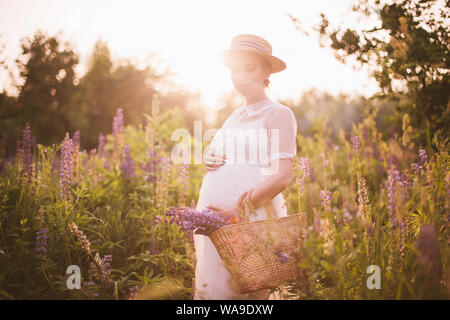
[{"x": 248, "y": 250}]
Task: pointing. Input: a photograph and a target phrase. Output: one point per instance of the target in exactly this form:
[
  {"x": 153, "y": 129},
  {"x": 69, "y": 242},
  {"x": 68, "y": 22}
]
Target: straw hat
[{"x": 252, "y": 43}]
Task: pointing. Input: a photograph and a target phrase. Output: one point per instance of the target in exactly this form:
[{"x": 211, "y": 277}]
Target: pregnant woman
[{"x": 253, "y": 150}]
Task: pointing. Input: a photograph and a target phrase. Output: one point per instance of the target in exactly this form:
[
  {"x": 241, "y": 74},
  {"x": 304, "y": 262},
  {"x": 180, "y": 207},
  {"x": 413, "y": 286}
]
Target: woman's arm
[
  {"x": 286, "y": 125},
  {"x": 273, "y": 185}
]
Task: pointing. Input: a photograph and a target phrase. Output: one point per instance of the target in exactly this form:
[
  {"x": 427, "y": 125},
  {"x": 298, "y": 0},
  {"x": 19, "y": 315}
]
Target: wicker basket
[{"x": 248, "y": 250}]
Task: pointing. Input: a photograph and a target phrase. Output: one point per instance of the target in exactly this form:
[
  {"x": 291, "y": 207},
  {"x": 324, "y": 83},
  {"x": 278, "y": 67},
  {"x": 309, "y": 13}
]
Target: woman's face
[{"x": 248, "y": 72}]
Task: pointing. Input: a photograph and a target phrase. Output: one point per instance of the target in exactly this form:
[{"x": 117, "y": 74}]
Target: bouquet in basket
[{"x": 204, "y": 222}]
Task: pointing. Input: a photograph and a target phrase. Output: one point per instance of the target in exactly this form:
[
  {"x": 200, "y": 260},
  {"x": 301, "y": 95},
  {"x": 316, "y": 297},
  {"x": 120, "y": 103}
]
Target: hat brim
[{"x": 227, "y": 56}]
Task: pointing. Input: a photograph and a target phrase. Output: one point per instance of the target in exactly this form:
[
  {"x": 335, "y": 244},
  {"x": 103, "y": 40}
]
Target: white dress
[{"x": 244, "y": 169}]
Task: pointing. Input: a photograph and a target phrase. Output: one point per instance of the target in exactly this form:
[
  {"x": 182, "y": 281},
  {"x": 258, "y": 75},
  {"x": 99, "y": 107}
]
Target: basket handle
[
  {"x": 245, "y": 206},
  {"x": 271, "y": 211}
]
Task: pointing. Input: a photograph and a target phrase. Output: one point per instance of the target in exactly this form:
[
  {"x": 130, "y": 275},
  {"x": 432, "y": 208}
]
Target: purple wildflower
[
  {"x": 134, "y": 292},
  {"x": 41, "y": 243},
  {"x": 392, "y": 180},
  {"x": 154, "y": 249},
  {"x": 356, "y": 143},
  {"x": 85, "y": 244},
  {"x": 88, "y": 283},
  {"x": 149, "y": 167},
  {"x": 423, "y": 158},
  {"x": 317, "y": 224},
  {"x": 118, "y": 122},
  {"x": 128, "y": 164},
  {"x": 415, "y": 167},
  {"x": 76, "y": 138},
  {"x": 305, "y": 171},
  {"x": 202, "y": 222},
  {"x": 281, "y": 256},
  {"x": 65, "y": 167},
  {"x": 118, "y": 131},
  {"x": 406, "y": 184},
  {"x": 325, "y": 197},
  {"x": 101, "y": 145},
  {"x": 102, "y": 268},
  {"x": 304, "y": 165}
]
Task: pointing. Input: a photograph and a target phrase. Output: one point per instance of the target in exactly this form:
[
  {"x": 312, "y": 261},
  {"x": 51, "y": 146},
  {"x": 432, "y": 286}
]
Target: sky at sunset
[{"x": 187, "y": 36}]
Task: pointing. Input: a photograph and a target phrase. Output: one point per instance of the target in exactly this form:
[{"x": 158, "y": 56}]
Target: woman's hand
[
  {"x": 214, "y": 161},
  {"x": 229, "y": 212}
]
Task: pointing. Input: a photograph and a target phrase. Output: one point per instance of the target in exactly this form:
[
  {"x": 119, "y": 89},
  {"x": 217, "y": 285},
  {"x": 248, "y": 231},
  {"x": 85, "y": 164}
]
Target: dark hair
[{"x": 267, "y": 64}]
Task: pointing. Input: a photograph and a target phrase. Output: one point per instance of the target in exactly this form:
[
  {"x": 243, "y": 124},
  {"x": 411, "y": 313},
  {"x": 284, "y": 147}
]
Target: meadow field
[{"x": 369, "y": 202}]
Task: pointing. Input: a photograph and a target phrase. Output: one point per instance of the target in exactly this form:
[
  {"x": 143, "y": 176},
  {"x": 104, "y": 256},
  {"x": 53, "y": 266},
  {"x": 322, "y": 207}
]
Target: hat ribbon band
[{"x": 249, "y": 44}]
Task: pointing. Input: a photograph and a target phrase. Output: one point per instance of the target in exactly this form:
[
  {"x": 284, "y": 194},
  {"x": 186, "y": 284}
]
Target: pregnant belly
[{"x": 224, "y": 186}]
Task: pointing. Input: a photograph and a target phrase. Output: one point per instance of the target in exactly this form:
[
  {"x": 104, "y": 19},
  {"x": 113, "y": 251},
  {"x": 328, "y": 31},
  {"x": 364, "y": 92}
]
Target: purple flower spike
[
  {"x": 203, "y": 222},
  {"x": 356, "y": 143},
  {"x": 128, "y": 165},
  {"x": 65, "y": 167}
]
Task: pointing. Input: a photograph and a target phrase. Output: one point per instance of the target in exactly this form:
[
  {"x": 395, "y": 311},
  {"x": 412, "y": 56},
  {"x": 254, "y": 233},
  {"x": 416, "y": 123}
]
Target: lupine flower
[
  {"x": 347, "y": 217},
  {"x": 390, "y": 189},
  {"x": 305, "y": 166},
  {"x": 325, "y": 197},
  {"x": 88, "y": 283},
  {"x": 118, "y": 131},
  {"x": 415, "y": 167},
  {"x": 406, "y": 184},
  {"x": 356, "y": 143},
  {"x": 363, "y": 194},
  {"x": 316, "y": 220},
  {"x": 85, "y": 244},
  {"x": 101, "y": 268},
  {"x": 282, "y": 256},
  {"x": 134, "y": 291},
  {"x": 101, "y": 145},
  {"x": 153, "y": 248},
  {"x": 128, "y": 165},
  {"x": 118, "y": 122},
  {"x": 65, "y": 167},
  {"x": 305, "y": 172},
  {"x": 204, "y": 222},
  {"x": 423, "y": 158},
  {"x": 149, "y": 167},
  {"x": 325, "y": 160},
  {"x": 41, "y": 243}
]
